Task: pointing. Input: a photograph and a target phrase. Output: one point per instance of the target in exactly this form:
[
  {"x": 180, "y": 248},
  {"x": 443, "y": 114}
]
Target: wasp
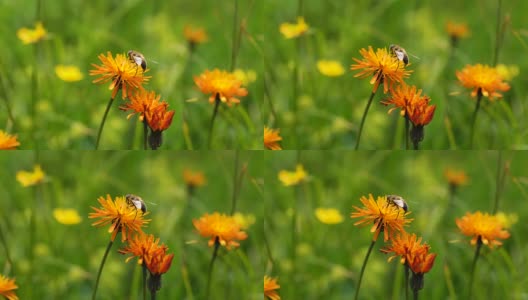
[
  {"x": 137, "y": 202},
  {"x": 138, "y": 59},
  {"x": 397, "y": 201}
]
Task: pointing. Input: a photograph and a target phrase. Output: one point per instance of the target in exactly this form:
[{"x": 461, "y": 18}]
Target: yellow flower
[
  {"x": 244, "y": 220},
  {"x": 30, "y": 36},
  {"x": 121, "y": 216},
  {"x": 330, "y": 68},
  {"x": 384, "y": 216},
  {"x": 193, "y": 179},
  {"x": 8, "y": 287},
  {"x": 271, "y": 287},
  {"x": 195, "y": 35},
  {"x": 484, "y": 228},
  {"x": 293, "y": 30},
  {"x": 246, "y": 77},
  {"x": 507, "y": 72},
  {"x": 272, "y": 138},
  {"x": 68, "y": 73},
  {"x": 289, "y": 178},
  {"x": 222, "y": 85},
  {"x": 124, "y": 74},
  {"x": 507, "y": 220},
  {"x": 221, "y": 229},
  {"x": 30, "y": 178},
  {"x": 66, "y": 216},
  {"x": 328, "y": 215},
  {"x": 482, "y": 79},
  {"x": 455, "y": 177},
  {"x": 382, "y": 66},
  {"x": 457, "y": 30},
  {"x": 7, "y": 141}
]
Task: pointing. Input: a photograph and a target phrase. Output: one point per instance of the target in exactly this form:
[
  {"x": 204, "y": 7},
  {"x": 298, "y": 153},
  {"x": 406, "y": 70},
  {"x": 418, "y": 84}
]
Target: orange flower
[
  {"x": 270, "y": 287},
  {"x": 482, "y": 79},
  {"x": 222, "y": 85},
  {"x": 412, "y": 252},
  {"x": 455, "y": 177},
  {"x": 8, "y": 287},
  {"x": 272, "y": 138},
  {"x": 123, "y": 73},
  {"x": 194, "y": 35},
  {"x": 159, "y": 118},
  {"x": 121, "y": 216},
  {"x": 141, "y": 102},
  {"x": 484, "y": 227},
  {"x": 220, "y": 228},
  {"x": 193, "y": 179},
  {"x": 421, "y": 261},
  {"x": 386, "y": 217},
  {"x": 382, "y": 66},
  {"x": 148, "y": 251},
  {"x": 412, "y": 104},
  {"x": 7, "y": 141},
  {"x": 457, "y": 30}
]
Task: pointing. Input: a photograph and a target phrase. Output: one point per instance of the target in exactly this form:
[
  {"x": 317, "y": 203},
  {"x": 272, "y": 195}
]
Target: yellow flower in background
[
  {"x": 244, "y": 220},
  {"x": 507, "y": 72},
  {"x": 66, "y": 216},
  {"x": 272, "y": 138},
  {"x": 247, "y": 77},
  {"x": 507, "y": 220},
  {"x": 195, "y": 35},
  {"x": 328, "y": 215},
  {"x": 482, "y": 79},
  {"x": 30, "y": 36},
  {"x": 193, "y": 179},
  {"x": 330, "y": 68},
  {"x": 485, "y": 228},
  {"x": 455, "y": 177},
  {"x": 293, "y": 30},
  {"x": 68, "y": 73},
  {"x": 270, "y": 288},
  {"x": 8, "y": 287},
  {"x": 289, "y": 178},
  {"x": 222, "y": 85},
  {"x": 221, "y": 228},
  {"x": 7, "y": 141},
  {"x": 457, "y": 30},
  {"x": 27, "y": 178}
]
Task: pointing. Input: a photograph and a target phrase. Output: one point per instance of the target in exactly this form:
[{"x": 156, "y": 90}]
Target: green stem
[
  {"x": 236, "y": 182},
  {"x": 101, "y": 268},
  {"x": 211, "y": 125},
  {"x": 236, "y": 38},
  {"x": 474, "y": 117},
  {"x": 145, "y": 134},
  {"x": 211, "y": 264},
  {"x": 473, "y": 267},
  {"x": 415, "y": 294},
  {"x": 363, "y": 268},
  {"x": 4, "y": 96},
  {"x": 6, "y": 249},
  {"x": 499, "y": 183},
  {"x": 34, "y": 95},
  {"x": 407, "y": 133},
  {"x": 406, "y": 281},
  {"x": 144, "y": 282},
  {"x": 153, "y": 294},
  {"x": 102, "y": 123},
  {"x": 498, "y": 36},
  {"x": 363, "y": 119}
]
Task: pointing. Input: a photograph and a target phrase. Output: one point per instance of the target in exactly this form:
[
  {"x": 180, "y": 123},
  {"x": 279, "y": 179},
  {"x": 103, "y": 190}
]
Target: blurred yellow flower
[
  {"x": 244, "y": 220},
  {"x": 7, "y": 141},
  {"x": 293, "y": 30},
  {"x": 289, "y": 178},
  {"x": 195, "y": 35},
  {"x": 507, "y": 220},
  {"x": 68, "y": 73},
  {"x": 27, "y": 178},
  {"x": 455, "y": 177},
  {"x": 457, "y": 30},
  {"x": 330, "y": 68},
  {"x": 30, "y": 36},
  {"x": 246, "y": 77},
  {"x": 193, "y": 179},
  {"x": 66, "y": 216},
  {"x": 328, "y": 215},
  {"x": 507, "y": 72}
]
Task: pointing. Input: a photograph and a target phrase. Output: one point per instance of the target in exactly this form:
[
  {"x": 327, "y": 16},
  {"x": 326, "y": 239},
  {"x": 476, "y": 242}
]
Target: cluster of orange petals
[
  {"x": 457, "y": 30},
  {"x": 412, "y": 252},
  {"x": 220, "y": 228},
  {"x": 383, "y": 216},
  {"x": 482, "y": 79},
  {"x": 272, "y": 139},
  {"x": 270, "y": 288},
  {"x": 193, "y": 179},
  {"x": 149, "y": 107},
  {"x": 382, "y": 66},
  {"x": 7, "y": 141},
  {"x": 194, "y": 35},
  {"x": 8, "y": 287},
  {"x": 455, "y": 177},
  {"x": 484, "y": 227},
  {"x": 149, "y": 252},
  {"x": 124, "y": 74},
  {"x": 221, "y": 85},
  {"x": 412, "y": 104},
  {"x": 121, "y": 216}
]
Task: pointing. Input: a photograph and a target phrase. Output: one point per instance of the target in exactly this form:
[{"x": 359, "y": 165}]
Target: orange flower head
[
  {"x": 482, "y": 79},
  {"x": 272, "y": 138},
  {"x": 411, "y": 104},
  {"x": 193, "y": 179},
  {"x": 222, "y": 85},
  {"x": 7, "y": 141},
  {"x": 124, "y": 74},
  {"x": 121, "y": 216},
  {"x": 484, "y": 227},
  {"x": 160, "y": 118},
  {"x": 220, "y": 228},
  {"x": 382, "y": 66},
  {"x": 455, "y": 177},
  {"x": 411, "y": 252},
  {"x": 384, "y": 216},
  {"x": 270, "y": 288},
  {"x": 195, "y": 35},
  {"x": 141, "y": 102},
  {"x": 8, "y": 287},
  {"x": 457, "y": 30},
  {"x": 149, "y": 252}
]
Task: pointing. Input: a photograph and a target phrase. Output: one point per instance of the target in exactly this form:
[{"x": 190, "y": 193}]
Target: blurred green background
[
  {"x": 66, "y": 258},
  {"x": 321, "y": 261}
]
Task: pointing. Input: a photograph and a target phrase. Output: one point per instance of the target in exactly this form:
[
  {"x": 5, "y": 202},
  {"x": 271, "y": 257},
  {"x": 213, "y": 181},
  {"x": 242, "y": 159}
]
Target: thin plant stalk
[
  {"x": 187, "y": 282},
  {"x": 100, "y": 131},
  {"x": 9, "y": 262},
  {"x": 474, "y": 117},
  {"x": 34, "y": 95},
  {"x": 236, "y": 182},
  {"x": 499, "y": 34},
  {"x": 101, "y": 268},
  {"x": 473, "y": 267},
  {"x": 363, "y": 267},
  {"x": 501, "y": 176},
  {"x": 406, "y": 281},
  {"x": 145, "y": 134},
  {"x": 144, "y": 280},
  {"x": 415, "y": 294},
  {"x": 363, "y": 119},
  {"x": 4, "y": 96},
  {"x": 211, "y": 264},
  {"x": 211, "y": 125},
  {"x": 407, "y": 133},
  {"x": 236, "y": 38}
]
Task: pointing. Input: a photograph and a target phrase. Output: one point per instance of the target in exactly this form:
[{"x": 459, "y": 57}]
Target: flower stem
[
  {"x": 363, "y": 119},
  {"x": 101, "y": 268},
  {"x": 211, "y": 264},
  {"x": 145, "y": 134},
  {"x": 406, "y": 281},
  {"x": 474, "y": 118},
  {"x": 4, "y": 96},
  {"x": 236, "y": 38},
  {"x": 9, "y": 262},
  {"x": 144, "y": 282},
  {"x": 501, "y": 176},
  {"x": 236, "y": 184},
  {"x": 102, "y": 123},
  {"x": 363, "y": 268},
  {"x": 499, "y": 34},
  {"x": 415, "y": 294},
  {"x": 211, "y": 125},
  {"x": 473, "y": 267},
  {"x": 407, "y": 133}
]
